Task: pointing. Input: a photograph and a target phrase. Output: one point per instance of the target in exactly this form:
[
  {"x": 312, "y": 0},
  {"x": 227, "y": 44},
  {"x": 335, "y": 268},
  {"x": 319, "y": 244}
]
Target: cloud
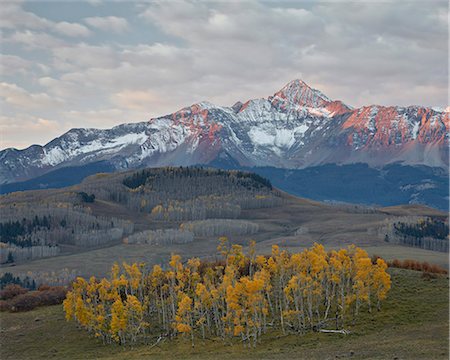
[
  {"x": 22, "y": 99},
  {"x": 102, "y": 118},
  {"x": 343, "y": 50},
  {"x": 172, "y": 54},
  {"x": 84, "y": 56},
  {"x": 22, "y": 130},
  {"x": 12, "y": 64},
  {"x": 108, "y": 23},
  {"x": 137, "y": 100},
  {"x": 35, "y": 40},
  {"x": 14, "y": 17},
  {"x": 72, "y": 29}
]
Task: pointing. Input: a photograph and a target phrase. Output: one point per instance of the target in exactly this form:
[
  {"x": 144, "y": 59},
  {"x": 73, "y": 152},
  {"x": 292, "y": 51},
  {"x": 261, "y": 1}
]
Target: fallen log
[
  {"x": 158, "y": 341},
  {"x": 343, "y": 331}
]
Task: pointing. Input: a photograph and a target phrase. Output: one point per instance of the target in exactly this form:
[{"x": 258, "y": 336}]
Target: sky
[{"x": 67, "y": 64}]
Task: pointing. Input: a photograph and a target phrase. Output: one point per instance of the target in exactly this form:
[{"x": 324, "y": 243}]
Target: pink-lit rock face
[
  {"x": 337, "y": 108},
  {"x": 197, "y": 119},
  {"x": 297, "y": 127},
  {"x": 386, "y": 126}
]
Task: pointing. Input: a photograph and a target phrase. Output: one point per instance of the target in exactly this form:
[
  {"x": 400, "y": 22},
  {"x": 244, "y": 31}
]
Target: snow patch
[
  {"x": 415, "y": 130},
  {"x": 260, "y": 137},
  {"x": 53, "y": 157},
  {"x": 57, "y": 155},
  {"x": 302, "y": 129}
]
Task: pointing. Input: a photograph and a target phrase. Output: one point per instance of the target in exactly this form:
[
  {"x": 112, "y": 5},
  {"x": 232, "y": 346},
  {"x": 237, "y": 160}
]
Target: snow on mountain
[{"x": 295, "y": 128}]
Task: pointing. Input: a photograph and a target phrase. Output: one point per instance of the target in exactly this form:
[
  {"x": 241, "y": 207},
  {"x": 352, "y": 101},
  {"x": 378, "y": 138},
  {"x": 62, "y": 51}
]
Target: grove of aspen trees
[
  {"x": 34, "y": 224},
  {"x": 242, "y": 296}
]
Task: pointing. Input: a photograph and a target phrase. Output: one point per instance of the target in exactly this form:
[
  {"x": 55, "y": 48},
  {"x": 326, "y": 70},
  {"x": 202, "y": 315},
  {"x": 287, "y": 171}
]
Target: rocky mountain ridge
[{"x": 296, "y": 128}]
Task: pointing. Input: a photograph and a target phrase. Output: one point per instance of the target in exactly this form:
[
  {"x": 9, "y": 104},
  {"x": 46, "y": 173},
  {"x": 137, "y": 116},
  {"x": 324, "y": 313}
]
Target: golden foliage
[{"x": 300, "y": 292}]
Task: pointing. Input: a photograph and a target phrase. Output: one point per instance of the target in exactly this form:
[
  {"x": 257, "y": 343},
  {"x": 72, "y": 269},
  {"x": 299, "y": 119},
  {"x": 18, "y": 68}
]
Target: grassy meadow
[{"x": 413, "y": 324}]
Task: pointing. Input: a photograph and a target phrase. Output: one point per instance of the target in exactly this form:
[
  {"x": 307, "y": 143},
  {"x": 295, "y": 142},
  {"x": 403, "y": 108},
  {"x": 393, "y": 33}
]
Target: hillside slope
[{"x": 145, "y": 215}]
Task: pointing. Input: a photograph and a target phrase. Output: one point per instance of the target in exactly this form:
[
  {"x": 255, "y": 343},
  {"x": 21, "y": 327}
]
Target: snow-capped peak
[{"x": 297, "y": 92}]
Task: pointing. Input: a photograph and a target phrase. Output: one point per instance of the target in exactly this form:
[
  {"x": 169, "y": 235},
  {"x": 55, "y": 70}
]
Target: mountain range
[{"x": 296, "y": 128}]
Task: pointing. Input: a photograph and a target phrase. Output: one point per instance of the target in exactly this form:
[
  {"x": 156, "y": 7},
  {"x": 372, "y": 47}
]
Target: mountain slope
[{"x": 297, "y": 127}]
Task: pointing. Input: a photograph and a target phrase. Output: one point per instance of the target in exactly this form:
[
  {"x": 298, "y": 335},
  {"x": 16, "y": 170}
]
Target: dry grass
[{"x": 328, "y": 225}]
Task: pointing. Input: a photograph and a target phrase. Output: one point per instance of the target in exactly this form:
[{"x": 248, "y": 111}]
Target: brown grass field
[{"x": 332, "y": 226}]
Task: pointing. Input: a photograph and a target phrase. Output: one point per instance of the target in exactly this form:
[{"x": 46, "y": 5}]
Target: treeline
[
  {"x": 240, "y": 297},
  {"x": 425, "y": 233},
  {"x": 30, "y": 231},
  {"x": 187, "y": 231},
  {"x": 160, "y": 237},
  {"x": 220, "y": 227},
  {"x": 424, "y": 243},
  {"x": 10, "y": 279},
  {"x": 12, "y": 253},
  {"x": 353, "y": 208},
  {"x": 33, "y": 279},
  {"x": 13, "y": 232},
  {"x": 427, "y": 227},
  {"x": 202, "y": 208},
  {"x": 153, "y": 177},
  {"x": 100, "y": 237},
  {"x": 180, "y": 194}
]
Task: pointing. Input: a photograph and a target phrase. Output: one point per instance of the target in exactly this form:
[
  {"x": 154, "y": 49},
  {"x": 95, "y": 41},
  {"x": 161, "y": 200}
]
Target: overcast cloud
[{"x": 102, "y": 63}]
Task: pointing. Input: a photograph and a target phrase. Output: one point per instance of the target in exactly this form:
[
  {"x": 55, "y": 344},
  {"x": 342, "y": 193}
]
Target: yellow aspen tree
[
  {"x": 135, "y": 321},
  {"x": 157, "y": 281},
  {"x": 183, "y": 318},
  {"x": 264, "y": 277},
  {"x": 381, "y": 281},
  {"x": 336, "y": 277},
  {"x": 252, "y": 304},
  {"x": 135, "y": 279},
  {"x": 115, "y": 272},
  {"x": 203, "y": 305},
  {"x": 173, "y": 275},
  {"x": 344, "y": 285},
  {"x": 319, "y": 269},
  {"x": 69, "y": 305},
  {"x": 118, "y": 321},
  {"x": 236, "y": 257},
  {"x": 101, "y": 325},
  {"x": 223, "y": 248},
  {"x": 362, "y": 278}
]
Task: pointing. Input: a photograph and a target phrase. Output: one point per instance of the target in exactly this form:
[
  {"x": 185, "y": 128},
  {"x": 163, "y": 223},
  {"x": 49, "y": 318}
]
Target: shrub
[
  {"x": 24, "y": 302},
  {"x": 4, "y": 305},
  {"x": 417, "y": 266},
  {"x": 11, "y": 291},
  {"x": 45, "y": 296}
]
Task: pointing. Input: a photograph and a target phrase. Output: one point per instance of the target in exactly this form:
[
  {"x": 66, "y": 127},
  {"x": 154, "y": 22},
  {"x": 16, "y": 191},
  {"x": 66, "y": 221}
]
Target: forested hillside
[
  {"x": 146, "y": 214},
  {"x": 46, "y": 223}
]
